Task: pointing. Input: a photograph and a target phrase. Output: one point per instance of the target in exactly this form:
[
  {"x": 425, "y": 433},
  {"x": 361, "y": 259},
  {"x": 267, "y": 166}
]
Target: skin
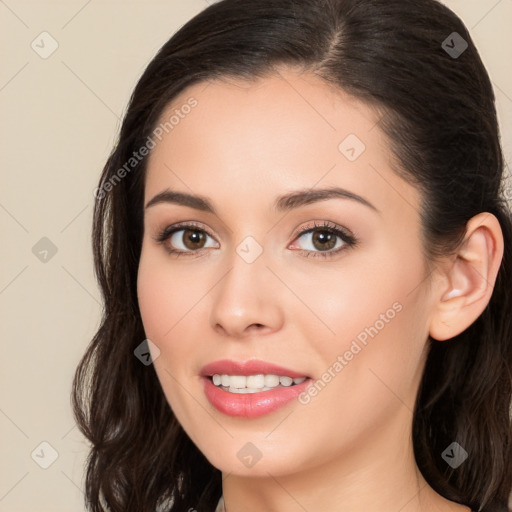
[{"x": 244, "y": 144}]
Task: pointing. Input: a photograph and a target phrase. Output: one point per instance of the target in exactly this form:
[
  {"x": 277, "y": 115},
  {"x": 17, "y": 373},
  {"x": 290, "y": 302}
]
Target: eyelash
[{"x": 345, "y": 235}]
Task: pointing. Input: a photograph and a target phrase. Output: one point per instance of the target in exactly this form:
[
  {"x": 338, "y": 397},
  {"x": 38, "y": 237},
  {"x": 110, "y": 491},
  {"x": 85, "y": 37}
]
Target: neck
[{"x": 378, "y": 473}]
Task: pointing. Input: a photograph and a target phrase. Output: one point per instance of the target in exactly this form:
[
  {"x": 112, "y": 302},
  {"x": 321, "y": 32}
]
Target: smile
[{"x": 253, "y": 383}]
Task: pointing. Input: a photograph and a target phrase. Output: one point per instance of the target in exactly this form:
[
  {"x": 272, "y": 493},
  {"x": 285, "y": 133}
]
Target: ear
[{"x": 467, "y": 279}]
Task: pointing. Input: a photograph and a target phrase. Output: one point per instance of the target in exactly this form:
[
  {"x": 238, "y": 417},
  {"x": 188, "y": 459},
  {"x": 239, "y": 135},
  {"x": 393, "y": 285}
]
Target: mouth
[
  {"x": 257, "y": 383},
  {"x": 252, "y": 373},
  {"x": 251, "y": 388}
]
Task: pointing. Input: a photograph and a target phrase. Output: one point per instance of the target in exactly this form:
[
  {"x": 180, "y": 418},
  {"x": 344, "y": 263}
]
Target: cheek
[
  {"x": 378, "y": 312},
  {"x": 169, "y": 302},
  {"x": 361, "y": 293},
  {"x": 166, "y": 295},
  {"x": 157, "y": 300}
]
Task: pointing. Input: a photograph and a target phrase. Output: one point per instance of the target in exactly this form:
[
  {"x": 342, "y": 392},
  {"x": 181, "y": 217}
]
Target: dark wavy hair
[{"x": 438, "y": 111}]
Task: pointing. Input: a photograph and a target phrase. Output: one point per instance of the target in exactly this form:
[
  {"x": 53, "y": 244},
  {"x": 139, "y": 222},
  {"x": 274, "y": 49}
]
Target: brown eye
[
  {"x": 324, "y": 240},
  {"x": 193, "y": 238},
  {"x": 186, "y": 239}
]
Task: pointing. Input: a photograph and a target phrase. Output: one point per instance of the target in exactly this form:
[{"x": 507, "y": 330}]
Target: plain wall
[{"x": 59, "y": 119}]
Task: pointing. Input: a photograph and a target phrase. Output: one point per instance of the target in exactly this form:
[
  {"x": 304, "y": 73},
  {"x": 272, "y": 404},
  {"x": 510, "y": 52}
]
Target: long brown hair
[{"x": 439, "y": 113}]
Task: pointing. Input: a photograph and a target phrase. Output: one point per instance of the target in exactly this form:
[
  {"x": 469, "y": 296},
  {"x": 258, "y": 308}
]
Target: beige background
[{"x": 59, "y": 119}]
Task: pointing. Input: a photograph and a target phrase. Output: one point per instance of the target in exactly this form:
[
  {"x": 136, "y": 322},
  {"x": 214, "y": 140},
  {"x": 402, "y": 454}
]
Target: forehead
[
  {"x": 267, "y": 104},
  {"x": 287, "y": 130}
]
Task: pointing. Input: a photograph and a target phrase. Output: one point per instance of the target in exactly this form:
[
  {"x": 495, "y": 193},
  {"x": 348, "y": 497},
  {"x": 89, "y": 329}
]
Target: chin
[{"x": 246, "y": 459}]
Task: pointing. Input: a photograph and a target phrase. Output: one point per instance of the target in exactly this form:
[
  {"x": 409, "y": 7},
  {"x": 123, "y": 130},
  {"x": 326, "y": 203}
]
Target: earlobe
[{"x": 468, "y": 279}]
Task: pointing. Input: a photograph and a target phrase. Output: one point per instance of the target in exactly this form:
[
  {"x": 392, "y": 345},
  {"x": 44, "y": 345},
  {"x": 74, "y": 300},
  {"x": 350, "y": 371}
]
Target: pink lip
[
  {"x": 250, "y": 405},
  {"x": 251, "y": 367}
]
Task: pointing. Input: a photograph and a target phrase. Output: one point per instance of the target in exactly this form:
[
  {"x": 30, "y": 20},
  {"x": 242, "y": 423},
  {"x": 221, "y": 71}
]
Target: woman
[{"x": 302, "y": 227}]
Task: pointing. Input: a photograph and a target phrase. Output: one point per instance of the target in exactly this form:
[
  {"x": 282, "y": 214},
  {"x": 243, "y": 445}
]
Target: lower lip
[{"x": 251, "y": 405}]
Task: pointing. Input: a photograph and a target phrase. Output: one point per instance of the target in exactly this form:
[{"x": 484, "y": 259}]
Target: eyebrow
[{"x": 283, "y": 203}]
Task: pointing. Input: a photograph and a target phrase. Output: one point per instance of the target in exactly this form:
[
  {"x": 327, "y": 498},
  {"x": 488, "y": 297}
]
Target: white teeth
[
  {"x": 271, "y": 381},
  {"x": 237, "y": 381},
  {"x": 256, "y": 381},
  {"x": 253, "y": 383},
  {"x": 285, "y": 381}
]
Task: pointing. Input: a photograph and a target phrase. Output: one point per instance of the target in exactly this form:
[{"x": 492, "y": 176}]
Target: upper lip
[{"x": 250, "y": 367}]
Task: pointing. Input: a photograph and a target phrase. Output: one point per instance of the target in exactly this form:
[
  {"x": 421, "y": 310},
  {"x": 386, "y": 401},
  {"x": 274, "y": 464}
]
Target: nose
[{"x": 246, "y": 301}]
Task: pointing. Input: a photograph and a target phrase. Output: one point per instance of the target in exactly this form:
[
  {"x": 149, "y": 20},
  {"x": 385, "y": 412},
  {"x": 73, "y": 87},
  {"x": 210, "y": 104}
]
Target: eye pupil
[
  {"x": 193, "y": 238},
  {"x": 327, "y": 240}
]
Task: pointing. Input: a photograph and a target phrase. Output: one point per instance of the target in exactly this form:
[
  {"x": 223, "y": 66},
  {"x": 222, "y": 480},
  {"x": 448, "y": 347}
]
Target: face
[{"x": 271, "y": 268}]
